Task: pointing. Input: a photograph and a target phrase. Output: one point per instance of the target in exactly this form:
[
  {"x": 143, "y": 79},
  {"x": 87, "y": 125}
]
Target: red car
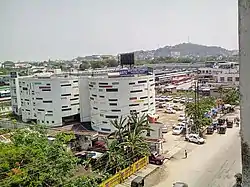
[{"x": 156, "y": 158}]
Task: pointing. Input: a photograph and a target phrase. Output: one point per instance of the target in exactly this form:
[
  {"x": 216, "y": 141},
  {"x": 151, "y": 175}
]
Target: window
[
  {"x": 53, "y": 121},
  {"x": 64, "y": 106},
  {"x": 132, "y": 98},
  {"x": 39, "y": 98},
  {"x": 47, "y": 101},
  {"x": 66, "y": 94},
  {"x": 76, "y": 95},
  {"x": 152, "y": 103},
  {"x": 143, "y": 111},
  {"x": 152, "y": 84},
  {"x": 222, "y": 79},
  {"x": 113, "y": 99},
  {"x": 104, "y": 122},
  {"x": 145, "y": 104},
  {"x": 104, "y": 129},
  {"x": 75, "y": 81},
  {"x": 151, "y": 97},
  {"x": 90, "y": 85},
  {"x": 111, "y": 117},
  {"x": 112, "y": 90},
  {"x": 74, "y": 104},
  {"x": 151, "y": 80},
  {"x": 115, "y": 83},
  {"x": 66, "y": 109},
  {"x": 40, "y": 110},
  {"x": 94, "y": 95},
  {"x": 230, "y": 79},
  {"x": 91, "y": 98},
  {"x": 64, "y": 85},
  {"x": 237, "y": 79},
  {"x": 144, "y": 81},
  {"x": 115, "y": 110},
  {"x": 131, "y": 83},
  {"x": 103, "y": 83},
  {"x": 47, "y": 121},
  {"x": 112, "y": 104},
  {"x": 48, "y": 84},
  {"x": 50, "y": 111},
  {"x": 100, "y": 90},
  {"x": 101, "y": 115},
  {"x": 134, "y": 104},
  {"x": 25, "y": 88},
  {"x": 145, "y": 97},
  {"x": 73, "y": 99},
  {"x": 135, "y": 91},
  {"x": 46, "y": 90},
  {"x": 95, "y": 108},
  {"x": 101, "y": 96}
]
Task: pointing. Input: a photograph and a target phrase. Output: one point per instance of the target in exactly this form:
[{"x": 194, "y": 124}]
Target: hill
[{"x": 184, "y": 50}]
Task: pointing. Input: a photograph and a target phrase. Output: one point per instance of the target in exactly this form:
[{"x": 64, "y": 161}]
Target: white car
[
  {"x": 170, "y": 111},
  {"x": 177, "y": 130},
  {"x": 169, "y": 98},
  {"x": 164, "y": 129},
  {"x": 195, "y": 138},
  {"x": 176, "y": 99},
  {"x": 176, "y": 107},
  {"x": 181, "y": 118}
]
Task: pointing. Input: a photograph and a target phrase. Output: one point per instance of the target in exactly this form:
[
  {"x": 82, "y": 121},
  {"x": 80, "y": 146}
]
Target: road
[{"x": 213, "y": 164}]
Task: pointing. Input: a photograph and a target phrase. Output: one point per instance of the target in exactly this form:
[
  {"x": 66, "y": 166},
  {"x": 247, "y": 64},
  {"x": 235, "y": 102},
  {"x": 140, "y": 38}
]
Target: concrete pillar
[{"x": 244, "y": 49}]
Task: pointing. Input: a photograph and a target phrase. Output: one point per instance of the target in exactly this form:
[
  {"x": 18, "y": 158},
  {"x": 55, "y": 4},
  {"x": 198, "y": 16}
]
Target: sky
[{"x": 65, "y": 29}]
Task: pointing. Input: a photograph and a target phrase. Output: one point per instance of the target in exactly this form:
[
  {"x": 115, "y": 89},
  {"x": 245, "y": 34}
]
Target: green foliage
[
  {"x": 231, "y": 96},
  {"x": 31, "y": 160},
  {"x": 83, "y": 181},
  {"x": 196, "y": 111},
  {"x": 129, "y": 143}
]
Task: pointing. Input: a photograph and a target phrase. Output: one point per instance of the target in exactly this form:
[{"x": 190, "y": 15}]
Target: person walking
[{"x": 185, "y": 153}]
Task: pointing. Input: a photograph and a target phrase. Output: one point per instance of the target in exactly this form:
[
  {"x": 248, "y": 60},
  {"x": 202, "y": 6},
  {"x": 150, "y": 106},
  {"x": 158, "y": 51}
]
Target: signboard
[{"x": 131, "y": 72}]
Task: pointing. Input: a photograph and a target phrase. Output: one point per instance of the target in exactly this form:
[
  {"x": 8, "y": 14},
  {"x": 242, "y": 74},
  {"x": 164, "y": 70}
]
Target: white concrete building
[
  {"x": 222, "y": 73},
  {"x": 112, "y": 97},
  {"x": 49, "y": 99}
]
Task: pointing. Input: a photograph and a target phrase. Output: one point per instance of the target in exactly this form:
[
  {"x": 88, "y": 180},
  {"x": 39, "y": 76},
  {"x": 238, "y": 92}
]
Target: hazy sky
[{"x": 64, "y": 29}]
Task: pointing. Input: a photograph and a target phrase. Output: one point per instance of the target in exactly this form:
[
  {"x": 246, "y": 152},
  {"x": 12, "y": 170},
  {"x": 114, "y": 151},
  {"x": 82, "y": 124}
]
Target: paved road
[{"x": 211, "y": 165}]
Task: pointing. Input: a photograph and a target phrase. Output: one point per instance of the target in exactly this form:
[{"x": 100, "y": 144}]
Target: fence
[{"x": 125, "y": 173}]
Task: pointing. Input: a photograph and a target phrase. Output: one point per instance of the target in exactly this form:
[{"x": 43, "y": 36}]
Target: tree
[
  {"x": 111, "y": 62},
  {"x": 84, "y": 65},
  {"x": 31, "y": 160},
  {"x": 232, "y": 97},
  {"x": 129, "y": 143}
]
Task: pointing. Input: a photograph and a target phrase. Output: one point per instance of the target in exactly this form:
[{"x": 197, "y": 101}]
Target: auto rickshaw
[
  {"x": 210, "y": 129},
  {"x": 222, "y": 129},
  {"x": 137, "y": 182}
]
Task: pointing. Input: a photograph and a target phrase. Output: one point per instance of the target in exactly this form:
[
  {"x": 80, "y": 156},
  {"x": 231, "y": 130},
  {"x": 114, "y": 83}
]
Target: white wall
[
  {"x": 111, "y": 98},
  {"x": 15, "y": 95},
  {"x": 85, "y": 113},
  {"x": 244, "y": 45}
]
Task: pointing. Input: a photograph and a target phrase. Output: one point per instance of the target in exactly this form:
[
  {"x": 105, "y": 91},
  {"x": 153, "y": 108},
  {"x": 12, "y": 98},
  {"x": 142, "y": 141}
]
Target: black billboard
[{"x": 127, "y": 59}]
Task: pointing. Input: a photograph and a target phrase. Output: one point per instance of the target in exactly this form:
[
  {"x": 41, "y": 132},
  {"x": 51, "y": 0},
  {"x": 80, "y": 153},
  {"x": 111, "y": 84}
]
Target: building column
[{"x": 244, "y": 54}]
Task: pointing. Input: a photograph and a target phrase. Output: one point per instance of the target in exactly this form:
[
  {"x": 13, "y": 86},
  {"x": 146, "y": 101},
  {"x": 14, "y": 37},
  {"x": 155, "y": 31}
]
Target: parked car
[
  {"x": 177, "y": 108},
  {"x": 182, "y": 117},
  {"x": 164, "y": 129},
  {"x": 176, "y": 99},
  {"x": 161, "y": 105},
  {"x": 170, "y": 111},
  {"x": 195, "y": 138},
  {"x": 156, "y": 158},
  {"x": 178, "y": 130},
  {"x": 169, "y": 98},
  {"x": 180, "y": 184}
]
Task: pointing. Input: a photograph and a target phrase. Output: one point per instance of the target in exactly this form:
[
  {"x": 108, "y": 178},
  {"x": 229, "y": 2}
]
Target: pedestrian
[{"x": 185, "y": 152}]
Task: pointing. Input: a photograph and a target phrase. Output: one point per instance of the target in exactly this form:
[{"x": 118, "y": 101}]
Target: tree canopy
[{"x": 32, "y": 160}]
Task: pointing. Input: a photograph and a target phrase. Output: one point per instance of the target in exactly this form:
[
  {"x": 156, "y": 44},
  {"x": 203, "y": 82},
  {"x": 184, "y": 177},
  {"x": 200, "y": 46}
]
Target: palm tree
[{"x": 120, "y": 126}]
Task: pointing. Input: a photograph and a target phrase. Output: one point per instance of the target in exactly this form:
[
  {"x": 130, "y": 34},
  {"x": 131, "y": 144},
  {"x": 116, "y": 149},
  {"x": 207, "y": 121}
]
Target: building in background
[{"x": 220, "y": 74}]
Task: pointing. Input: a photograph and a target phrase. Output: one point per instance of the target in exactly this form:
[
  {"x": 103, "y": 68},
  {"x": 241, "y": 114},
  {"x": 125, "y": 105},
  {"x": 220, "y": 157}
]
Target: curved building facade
[{"x": 113, "y": 97}]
